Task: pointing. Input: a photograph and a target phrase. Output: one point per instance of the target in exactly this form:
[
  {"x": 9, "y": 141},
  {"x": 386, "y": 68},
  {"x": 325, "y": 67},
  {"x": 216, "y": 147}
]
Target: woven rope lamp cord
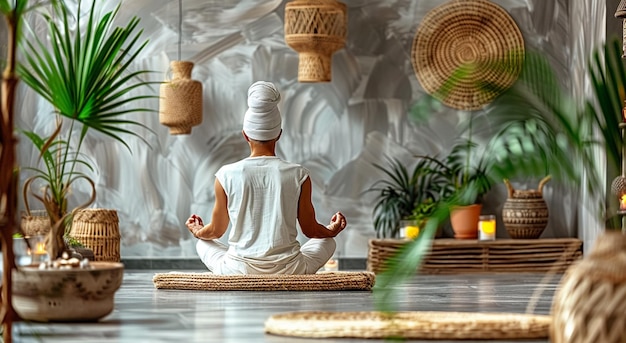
[{"x": 466, "y": 52}]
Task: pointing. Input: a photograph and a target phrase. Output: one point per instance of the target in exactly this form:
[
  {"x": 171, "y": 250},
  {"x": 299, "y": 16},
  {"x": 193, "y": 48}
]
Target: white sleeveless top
[{"x": 263, "y": 194}]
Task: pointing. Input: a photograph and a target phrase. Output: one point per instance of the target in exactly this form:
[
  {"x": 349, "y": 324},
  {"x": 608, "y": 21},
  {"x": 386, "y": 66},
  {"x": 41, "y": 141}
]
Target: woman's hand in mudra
[
  {"x": 194, "y": 224},
  {"x": 337, "y": 223}
]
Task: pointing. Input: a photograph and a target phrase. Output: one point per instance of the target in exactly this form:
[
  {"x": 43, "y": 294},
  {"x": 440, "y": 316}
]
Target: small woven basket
[
  {"x": 35, "y": 222},
  {"x": 98, "y": 229}
]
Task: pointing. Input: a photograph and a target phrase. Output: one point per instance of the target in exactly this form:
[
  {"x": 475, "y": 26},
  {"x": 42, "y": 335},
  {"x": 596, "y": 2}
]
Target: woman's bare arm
[
  {"x": 219, "y": 220},
  {"x": 306, "y": 217}
]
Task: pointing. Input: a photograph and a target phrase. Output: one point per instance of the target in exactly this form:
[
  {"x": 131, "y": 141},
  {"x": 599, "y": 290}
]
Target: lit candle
[
  {"x": 38, "y": 247},
  {"x": 622, "y": 202},
  {"x": 409, "y": 229},
  {"x": 331, "y": 265},
  {"x": 487, "y": 227}
]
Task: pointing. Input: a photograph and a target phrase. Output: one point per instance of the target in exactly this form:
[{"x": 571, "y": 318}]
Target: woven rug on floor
[
  {"x": 410, "y": 325},
  {"x": 322, "y": 281}
]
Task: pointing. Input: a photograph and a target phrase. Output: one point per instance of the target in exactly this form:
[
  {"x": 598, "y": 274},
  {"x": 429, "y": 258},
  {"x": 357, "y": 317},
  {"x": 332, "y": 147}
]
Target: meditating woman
[{"x": 262, "y": 197}]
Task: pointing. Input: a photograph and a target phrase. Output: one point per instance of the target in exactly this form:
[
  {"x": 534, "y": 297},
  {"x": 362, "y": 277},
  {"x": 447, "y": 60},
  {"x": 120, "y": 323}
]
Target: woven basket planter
[
  {"x": 98, "y": 229},
  {"x": 315, "y": 29},
  {"x": 180, "y": 105},
  {"x": 590, "y": 304}
]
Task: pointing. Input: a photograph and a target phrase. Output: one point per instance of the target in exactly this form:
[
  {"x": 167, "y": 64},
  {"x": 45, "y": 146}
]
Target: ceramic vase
[{"x": 525, "y": 212}]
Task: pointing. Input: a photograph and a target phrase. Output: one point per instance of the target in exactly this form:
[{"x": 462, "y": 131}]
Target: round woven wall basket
[{"x": 466, "y": 52}]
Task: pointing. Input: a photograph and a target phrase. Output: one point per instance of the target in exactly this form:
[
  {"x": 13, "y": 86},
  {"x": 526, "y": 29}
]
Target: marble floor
[{"x": 145, "y": 314}]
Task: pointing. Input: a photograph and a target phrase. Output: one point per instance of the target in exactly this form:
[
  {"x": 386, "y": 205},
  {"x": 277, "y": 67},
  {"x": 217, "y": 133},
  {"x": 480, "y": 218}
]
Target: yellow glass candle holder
[
  {"x": 487, "y": 227},
  {"x": 409, "y": 229}
]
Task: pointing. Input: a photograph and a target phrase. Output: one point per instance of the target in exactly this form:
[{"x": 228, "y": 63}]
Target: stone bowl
[{"x": 66, "y": 295}]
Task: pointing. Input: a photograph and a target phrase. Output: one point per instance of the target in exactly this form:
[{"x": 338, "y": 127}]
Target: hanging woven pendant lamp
[
  {"x": 620, "y": 13},
  {"x": 315, "y": 29},
  {"x": 180, "y": 104}
]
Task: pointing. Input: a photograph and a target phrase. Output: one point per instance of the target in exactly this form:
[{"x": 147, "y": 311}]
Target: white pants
[{"x": 314, "y": 254}]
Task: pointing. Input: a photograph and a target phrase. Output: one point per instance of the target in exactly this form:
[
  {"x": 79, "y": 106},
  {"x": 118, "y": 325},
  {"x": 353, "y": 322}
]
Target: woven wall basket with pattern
[{"x": 466, "y": 52}]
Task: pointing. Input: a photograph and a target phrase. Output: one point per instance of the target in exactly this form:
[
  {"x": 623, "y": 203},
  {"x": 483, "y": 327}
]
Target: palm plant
[
  {"x": 404, "y": 193},
  {"x": 538, "y": 129},
  {"x": 414, "y": 196},
  {"x": 84, "y": 75},
  {"x": 56, "y": 156},
  {"x": 467, "y": 165}
]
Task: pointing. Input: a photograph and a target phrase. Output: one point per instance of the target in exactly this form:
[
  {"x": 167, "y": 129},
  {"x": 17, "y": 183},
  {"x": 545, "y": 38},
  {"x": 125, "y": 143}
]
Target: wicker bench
[{"x": 452, "y": 256}]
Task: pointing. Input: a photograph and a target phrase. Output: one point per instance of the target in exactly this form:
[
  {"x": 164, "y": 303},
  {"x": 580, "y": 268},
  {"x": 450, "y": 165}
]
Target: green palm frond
[{"x": 84, "y": 74}]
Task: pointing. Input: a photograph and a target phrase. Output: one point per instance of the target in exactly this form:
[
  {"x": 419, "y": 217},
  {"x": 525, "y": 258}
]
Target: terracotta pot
[
  {"x": 590, "y": 303},
  {"x": 464, "y": 221},
  {"x": 65, "y": 295}
]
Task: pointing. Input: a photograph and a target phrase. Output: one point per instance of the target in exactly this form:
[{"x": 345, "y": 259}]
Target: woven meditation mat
[
  {"x": 409, "y": 325},
  {"x": 322, "y": 281},
  {"x": 466, "y": 52}
]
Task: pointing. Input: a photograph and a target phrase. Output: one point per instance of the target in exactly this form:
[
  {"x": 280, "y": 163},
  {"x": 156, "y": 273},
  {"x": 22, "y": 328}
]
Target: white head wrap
[{"x": 262, "y": 120}]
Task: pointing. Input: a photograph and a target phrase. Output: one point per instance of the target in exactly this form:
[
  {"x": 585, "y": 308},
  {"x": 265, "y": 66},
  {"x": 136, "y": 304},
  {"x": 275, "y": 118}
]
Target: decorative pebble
[{"x": 76, "y": 260}]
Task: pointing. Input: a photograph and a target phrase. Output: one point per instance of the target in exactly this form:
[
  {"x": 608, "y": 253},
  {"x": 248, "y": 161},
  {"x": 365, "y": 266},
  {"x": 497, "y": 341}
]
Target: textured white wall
[{"x": 337, "y": 130}]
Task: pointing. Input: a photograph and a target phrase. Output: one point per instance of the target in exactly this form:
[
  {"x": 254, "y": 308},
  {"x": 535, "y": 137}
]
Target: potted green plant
[
  {"x": 407, "y": 196},
  {"x": 539, "y": 130},
  {"x": 85, "y": 74},
  {"x": 469, "y": 170}
]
